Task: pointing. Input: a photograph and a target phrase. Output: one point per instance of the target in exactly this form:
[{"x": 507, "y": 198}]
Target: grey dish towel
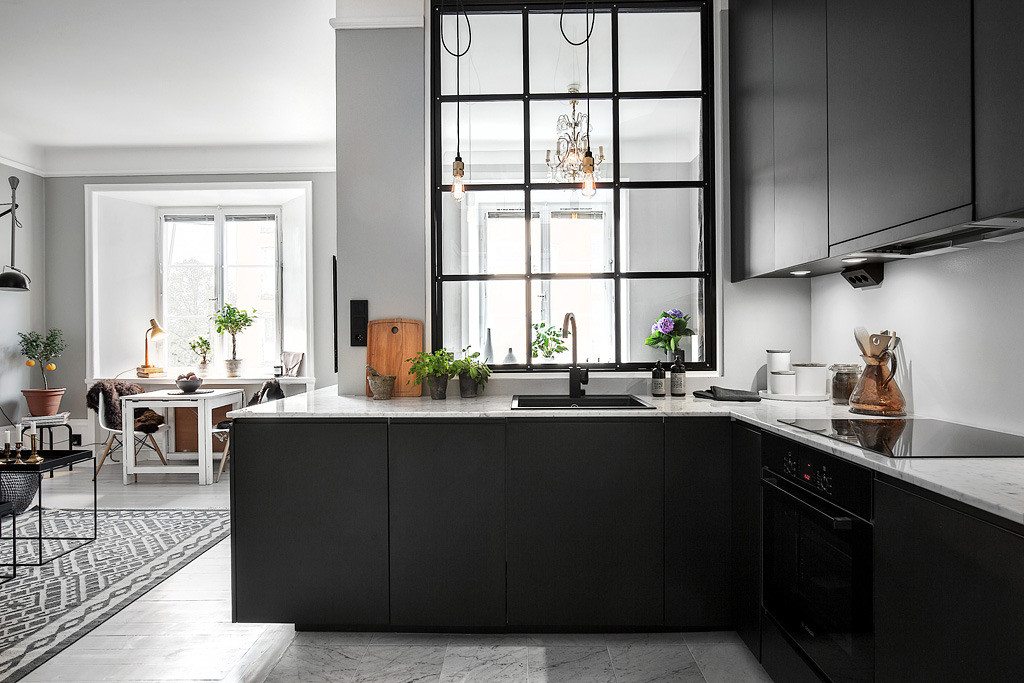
[{"x": 723, "y": 394}]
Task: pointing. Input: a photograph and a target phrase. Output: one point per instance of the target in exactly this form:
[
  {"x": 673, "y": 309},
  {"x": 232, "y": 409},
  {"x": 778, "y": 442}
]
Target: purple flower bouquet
[{"x": 668, "y": 329}]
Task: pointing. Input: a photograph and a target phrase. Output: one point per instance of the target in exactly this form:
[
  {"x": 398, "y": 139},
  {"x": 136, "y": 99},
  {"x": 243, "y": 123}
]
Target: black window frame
[{"x": 708, "y": 274}]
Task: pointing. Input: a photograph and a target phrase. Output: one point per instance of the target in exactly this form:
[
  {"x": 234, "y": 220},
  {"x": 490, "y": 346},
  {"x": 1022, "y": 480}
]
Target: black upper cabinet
[
  {"x": 586, "y": 523},
  {"x": 899, "y": 115}
]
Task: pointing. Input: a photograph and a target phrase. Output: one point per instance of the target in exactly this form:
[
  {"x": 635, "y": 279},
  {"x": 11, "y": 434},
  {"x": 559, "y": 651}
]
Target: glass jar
[{"x": 844, "y": 381}]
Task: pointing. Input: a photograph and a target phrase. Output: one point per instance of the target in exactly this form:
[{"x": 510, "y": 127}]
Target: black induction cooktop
[{"x": 916, "y": 437}]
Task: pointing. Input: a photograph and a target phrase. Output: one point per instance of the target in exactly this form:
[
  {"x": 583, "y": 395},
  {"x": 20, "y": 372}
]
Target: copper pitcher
[{"x": 877, "y": 392}]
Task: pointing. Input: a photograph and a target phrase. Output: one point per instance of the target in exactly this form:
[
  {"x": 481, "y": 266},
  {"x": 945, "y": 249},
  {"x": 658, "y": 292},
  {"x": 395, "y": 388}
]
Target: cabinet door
[
  {"x": 746, "y": 534},
  {"x": 801, "y": 132},
  {"x": 698, "y": 594},
  {"x": 447, "y": 511},
  {"x": 751, "y": 141},
  {"x": 586, "y": 523},
  {"x": 948, "y": 600},
  {"x": 309, "y": 522},
  {"x": 899, "y": 112}
]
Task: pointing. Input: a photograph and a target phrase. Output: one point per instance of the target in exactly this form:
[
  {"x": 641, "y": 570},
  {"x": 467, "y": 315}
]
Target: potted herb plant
[
  {"x": 233, "y": 321},
  {"x": 433, "y": 368},
  {"x": 42, "y": 351},
  {"x": 668, "y": 329},
  {"x": 201, "y": 347},
  {"x": 547, "y": 341},
  {"x": 473, "y": 374}
]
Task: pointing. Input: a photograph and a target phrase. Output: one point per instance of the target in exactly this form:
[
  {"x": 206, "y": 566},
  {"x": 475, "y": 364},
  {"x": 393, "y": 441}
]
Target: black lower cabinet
[
  {"x": 746, "y": 534},
  {"x": 309, "y": 522},
  {"x": 447, "y": 493},
  {"x": 949, "y": 603},
  {"x": 780, "y": 659},
  {"x": 698, "y": 594},
  {"x": 586, "y": 523}
]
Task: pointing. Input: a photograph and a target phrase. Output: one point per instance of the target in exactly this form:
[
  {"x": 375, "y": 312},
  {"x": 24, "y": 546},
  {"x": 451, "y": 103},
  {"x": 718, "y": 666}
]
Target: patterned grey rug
[{"x": 45, "y": 609}]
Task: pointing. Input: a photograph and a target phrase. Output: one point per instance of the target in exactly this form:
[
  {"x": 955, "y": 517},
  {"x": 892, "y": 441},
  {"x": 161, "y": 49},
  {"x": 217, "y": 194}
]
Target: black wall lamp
[{"x": 12, "y": 279}]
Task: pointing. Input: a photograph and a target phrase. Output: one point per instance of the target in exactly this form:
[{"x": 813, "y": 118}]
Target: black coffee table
[{"x": 52, "y": 460}]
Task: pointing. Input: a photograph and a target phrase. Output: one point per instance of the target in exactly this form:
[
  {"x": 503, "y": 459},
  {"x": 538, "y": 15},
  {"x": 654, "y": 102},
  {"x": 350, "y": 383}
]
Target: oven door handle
[{"x": 836, "y": 523}]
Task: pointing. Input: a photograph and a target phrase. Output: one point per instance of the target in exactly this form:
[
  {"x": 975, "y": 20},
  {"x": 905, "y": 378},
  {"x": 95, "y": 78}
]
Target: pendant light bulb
[
  {"x": 589, "y": 188},
  {"x": 458, "y": 186}
]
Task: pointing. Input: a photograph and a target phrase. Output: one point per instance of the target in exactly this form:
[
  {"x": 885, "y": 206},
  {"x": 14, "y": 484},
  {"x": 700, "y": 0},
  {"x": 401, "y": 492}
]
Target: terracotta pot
[
  {"x": 233, "y": 367},
  {"x": 438, "y": 385},
  {"x": 42, "y": 402}
]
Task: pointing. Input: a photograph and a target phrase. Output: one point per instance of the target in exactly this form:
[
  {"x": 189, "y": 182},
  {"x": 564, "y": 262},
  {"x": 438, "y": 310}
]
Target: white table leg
[
  {"x": 127, "y": 441},
  {"x": 205, "y": 444}
]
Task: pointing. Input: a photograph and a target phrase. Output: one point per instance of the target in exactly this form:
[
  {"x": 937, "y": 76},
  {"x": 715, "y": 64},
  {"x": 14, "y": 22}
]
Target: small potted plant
[
  {"x": 201, "y": 347},
  {"x": 473, "y": 374},
  {"x": 434, "y": 368},
  {"x": 547, "y": 341},
  {"x": 233, "y": 320},
  {"x": 42, "y": 351},
  {"x": 668, "y": 329}
]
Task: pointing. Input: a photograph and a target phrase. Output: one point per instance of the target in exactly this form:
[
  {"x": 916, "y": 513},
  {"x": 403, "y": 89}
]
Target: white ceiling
[{"x": 167, "y": 73}]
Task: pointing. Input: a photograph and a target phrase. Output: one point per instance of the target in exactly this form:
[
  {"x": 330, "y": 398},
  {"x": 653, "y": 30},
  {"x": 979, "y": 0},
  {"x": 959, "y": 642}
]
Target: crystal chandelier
[{"x": 571, "y": 146}]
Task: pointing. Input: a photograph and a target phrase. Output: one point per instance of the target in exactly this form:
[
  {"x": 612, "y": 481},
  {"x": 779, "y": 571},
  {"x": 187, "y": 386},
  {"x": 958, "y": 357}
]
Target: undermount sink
[{"x": 596, "y": 402}]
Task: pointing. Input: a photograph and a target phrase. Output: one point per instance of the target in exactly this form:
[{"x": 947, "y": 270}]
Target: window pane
[
  {"x": 254, "y": 288},
  {"x": 180, "y": 331},
  {"x": 492, "y": 141},
  {"x": 555, "y": 65},
  {"x": 256, "y": 345},
  {"x": 572, "y": 234},
  {"x": 644, "y": 301},
  {"x": 660, "y": 139},
  {"x": 189, "y": 290},
  {"x": 593, "y": 302},
  {"x": 669, "y": 40},
  {"x": 250, "y": 240},
  {"x": 661, "y": 229},
  {"x": 484, "y": 233},
  {"x": 472, "y": 309},
  {"x": 189, "y": 240},
  {"x": 558, "y": 131},
  {"x": 494, "y": 62}
]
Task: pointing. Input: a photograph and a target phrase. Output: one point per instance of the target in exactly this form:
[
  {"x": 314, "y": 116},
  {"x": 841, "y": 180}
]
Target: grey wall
[
  {"x": 961, "y": 319},
  {"x": 65, "y": 264},
  {"x": 22, "y": 312}
]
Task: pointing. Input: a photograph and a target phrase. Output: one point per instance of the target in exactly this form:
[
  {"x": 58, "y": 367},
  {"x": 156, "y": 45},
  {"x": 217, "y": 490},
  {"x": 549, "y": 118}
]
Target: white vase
[{"x": 488, "y": 348}]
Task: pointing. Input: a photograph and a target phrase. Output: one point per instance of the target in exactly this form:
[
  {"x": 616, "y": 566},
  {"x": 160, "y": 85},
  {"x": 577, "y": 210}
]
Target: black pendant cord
[
  {"x": 590, "y": 16},
  {"x": 458, "y": 54}
]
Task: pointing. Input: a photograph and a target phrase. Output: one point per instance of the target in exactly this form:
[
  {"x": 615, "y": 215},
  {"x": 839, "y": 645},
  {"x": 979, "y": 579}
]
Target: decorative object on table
[
  {"x": 473, "y": 374},
  {"x": 13, "y": 279},
  {"x": 488, "y": 348},
  {"x": 233, "y": 321},
  {"x": 278, "y": 371},
  {"x": 658, "y": 380},
  {"x": 202, "y": 348},
  {"x": 723, "y": 394},
  {"x": 779, "y": 360},
  {"x": 510, "y": 358},
  {"x": 41, "y": 352},
  {"x": 667, "y": 330},
  {"x": 811, "y": 379},
  {"x": 188, "y": 382},
  {"x": 380, "y": 385},
  {"x": 7, "y": 449},
  {"x": 389, "y": 343},
  {"x": 104, "y": 397},
  {"x": 291, "y": 362},
  {"x": 155, "y": 333},
  {"x": 876, "y": 392},
  {"x": 677, "y": 375},
  {"x": 34, "y": 457},
  {"x": 792, "y": 397},
  {"x": 844, "y": 381},
  {"x": 433, "y": 368},
  {"x": 547, "y": 341},
  {"x": 138, "y": 550},
  {"x": 782, "y": 382}
]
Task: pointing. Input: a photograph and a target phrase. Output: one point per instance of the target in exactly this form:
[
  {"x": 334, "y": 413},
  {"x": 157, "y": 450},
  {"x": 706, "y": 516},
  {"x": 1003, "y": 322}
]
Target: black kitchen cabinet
[
  {"x": 899, "y": 114},
  {"x": 585, "y": 515},
  {"x": 447, "y": 512},
  {"x": 698, "y": 514},
  {"x": 309, "y": 522},
  {"x": 948, "y": 599},
  {"x": 746, "y": 534}
]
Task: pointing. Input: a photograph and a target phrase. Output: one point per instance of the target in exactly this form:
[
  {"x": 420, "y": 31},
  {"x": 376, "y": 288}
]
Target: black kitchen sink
[{"x": 597, "y": 402}]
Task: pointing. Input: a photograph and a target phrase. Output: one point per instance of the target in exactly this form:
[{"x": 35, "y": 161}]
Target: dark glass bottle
[
  {"x": 677, "y": 375},
  {"x": 658, "y": 380}
]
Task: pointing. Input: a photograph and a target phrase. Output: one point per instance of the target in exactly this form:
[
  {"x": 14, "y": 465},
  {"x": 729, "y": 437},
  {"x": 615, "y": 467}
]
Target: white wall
[{"x": 961, "y": 319}]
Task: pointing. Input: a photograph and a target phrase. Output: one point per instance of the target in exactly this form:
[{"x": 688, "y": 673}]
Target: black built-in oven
[{"x": 816, "y": 559}]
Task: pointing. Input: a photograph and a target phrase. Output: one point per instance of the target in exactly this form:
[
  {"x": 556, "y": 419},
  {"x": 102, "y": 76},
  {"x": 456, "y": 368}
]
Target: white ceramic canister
[
  {"x": 779, "y": 360},
  {"x": 782, "y": 382},
  {"x": 811, "y": 379}
]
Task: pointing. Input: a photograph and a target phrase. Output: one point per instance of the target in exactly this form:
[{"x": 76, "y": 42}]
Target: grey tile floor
[{"x": 182, "y": 630}]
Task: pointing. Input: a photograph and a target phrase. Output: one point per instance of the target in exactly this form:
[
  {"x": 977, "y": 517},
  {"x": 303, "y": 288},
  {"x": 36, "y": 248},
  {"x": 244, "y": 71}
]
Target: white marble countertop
[{"x": 995, "y": 485}]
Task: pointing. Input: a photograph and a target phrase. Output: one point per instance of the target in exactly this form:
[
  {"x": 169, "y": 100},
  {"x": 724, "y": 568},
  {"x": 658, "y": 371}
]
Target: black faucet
[{"x": 577, "y": 376}]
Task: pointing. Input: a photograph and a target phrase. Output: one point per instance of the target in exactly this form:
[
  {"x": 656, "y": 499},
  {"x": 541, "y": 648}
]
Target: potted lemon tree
[{"x": 40, "y": 352}]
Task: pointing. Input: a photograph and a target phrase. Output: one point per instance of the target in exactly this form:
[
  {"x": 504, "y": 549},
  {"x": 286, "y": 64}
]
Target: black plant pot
[
  {"x": 438, "y": 385},
  {"x": 467, "y": 386}
]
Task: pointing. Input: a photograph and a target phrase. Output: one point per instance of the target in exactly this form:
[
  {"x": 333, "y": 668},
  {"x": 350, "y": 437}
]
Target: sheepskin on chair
[{"x": 111, "y": 390}]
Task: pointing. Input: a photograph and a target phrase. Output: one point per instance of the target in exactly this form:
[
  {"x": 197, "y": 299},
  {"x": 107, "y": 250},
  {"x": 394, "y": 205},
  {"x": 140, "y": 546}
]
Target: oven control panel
[{"x": 844, "y": 483}]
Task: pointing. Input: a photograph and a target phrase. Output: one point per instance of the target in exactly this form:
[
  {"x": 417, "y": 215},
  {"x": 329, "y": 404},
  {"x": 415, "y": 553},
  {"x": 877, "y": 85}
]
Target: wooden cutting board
[{"x": 388, "y": 344}]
